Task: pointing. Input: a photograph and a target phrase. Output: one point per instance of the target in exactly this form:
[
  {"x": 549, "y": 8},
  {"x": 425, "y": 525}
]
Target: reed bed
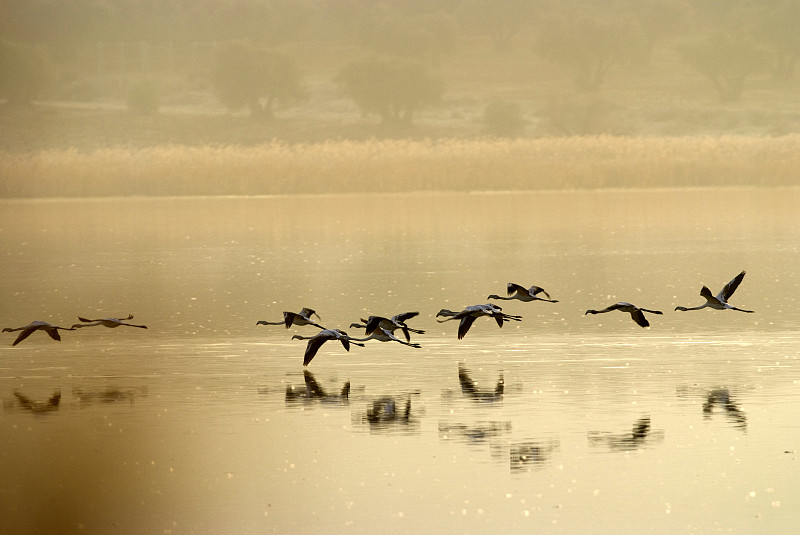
[{"x": 403, "y": 165}]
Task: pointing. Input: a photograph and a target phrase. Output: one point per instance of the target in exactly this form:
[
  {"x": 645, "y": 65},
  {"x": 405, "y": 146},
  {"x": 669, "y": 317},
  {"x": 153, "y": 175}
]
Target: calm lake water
[{"x": 561, "y": 423}]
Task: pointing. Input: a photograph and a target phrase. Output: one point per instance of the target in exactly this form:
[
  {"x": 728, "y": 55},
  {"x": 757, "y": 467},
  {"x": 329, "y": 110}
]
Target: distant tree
[
  {"x": 660, "y": 20},
  {"x": 247, "y": 76},
  {"x": 24, "y": 73},
  {"x": 726, "y": 59},
  {"x": 591, "y": 46},
  {"x": 778, "y": 28},
  {"x": 393, "y": 88},
  {"x": 270, "y": 22},
  {"x": 385, "y": 30},
  {"x": 500, "y": 20}
]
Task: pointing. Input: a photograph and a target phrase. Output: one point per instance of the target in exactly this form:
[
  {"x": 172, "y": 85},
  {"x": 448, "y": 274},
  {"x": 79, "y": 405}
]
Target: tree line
[{"x": 404, "y": 42}]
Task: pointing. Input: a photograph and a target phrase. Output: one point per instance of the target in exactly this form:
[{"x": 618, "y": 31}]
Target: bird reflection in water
[
  {"x": 470, "y": 388},
  {"x": 108, "y": 395},
  {"x": 640, "y": 435},
  {"x": 27, "y": 403},
  {"x": 531, "y": 454},
  {"x": 721, "y": 397},
  {"x": 313, "y": 392},
  {"x": 389, "y": 413},
  {"x": 473, "y": 433}
]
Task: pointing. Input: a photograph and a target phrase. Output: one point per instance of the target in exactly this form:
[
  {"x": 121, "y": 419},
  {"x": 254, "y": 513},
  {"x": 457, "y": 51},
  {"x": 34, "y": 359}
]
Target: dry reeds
[{"x": 402, "y": 165}]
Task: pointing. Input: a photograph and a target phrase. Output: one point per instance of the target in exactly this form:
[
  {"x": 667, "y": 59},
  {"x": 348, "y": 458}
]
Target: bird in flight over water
[
  {"x": 637, "y": 313},
  {"x": 473, "y": 312},
  {"x": 37, "y": 325},
  {"x": 111, "y": 323},
  {"x": 719, "y": 301},
  {"x": 515, "y": 291},
  {"x": 316, "y": 341},
  {"x": 295, "y": 318}
]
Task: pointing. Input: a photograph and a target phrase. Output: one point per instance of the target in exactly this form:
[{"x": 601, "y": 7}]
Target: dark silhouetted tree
[
  {"x": 247, "y": 76},
  {"x": 24, "y": 73},
  {"x": 726, "y": 59},
  {"x": 393, "y": 88}
]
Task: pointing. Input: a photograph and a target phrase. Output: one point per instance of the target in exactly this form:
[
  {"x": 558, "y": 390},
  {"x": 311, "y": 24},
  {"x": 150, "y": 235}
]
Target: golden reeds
[{"x": 404, "y": 165}]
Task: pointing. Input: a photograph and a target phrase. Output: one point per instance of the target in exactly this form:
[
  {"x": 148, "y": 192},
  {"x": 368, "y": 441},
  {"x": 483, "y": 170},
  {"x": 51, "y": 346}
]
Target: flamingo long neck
[
  {"x": 370, "y": 337},
  {"x": 704, "y": 305}
]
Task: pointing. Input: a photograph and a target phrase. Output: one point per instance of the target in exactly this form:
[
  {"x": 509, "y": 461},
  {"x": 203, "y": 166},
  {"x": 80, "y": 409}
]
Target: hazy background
[{"x": 139, "y": 73}]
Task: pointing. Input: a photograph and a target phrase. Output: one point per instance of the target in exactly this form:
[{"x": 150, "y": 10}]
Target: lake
[{"x": 560, "y": 423}]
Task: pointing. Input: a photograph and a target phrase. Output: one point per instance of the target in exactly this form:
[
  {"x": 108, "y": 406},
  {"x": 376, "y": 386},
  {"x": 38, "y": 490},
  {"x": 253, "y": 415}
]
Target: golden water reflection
[{"x": 207, "y": 422}]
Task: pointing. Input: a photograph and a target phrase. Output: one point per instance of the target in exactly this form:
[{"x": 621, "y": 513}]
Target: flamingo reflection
[
  {"x": 721, "y": 397},
  {"x": 385, "y": 410},
  {"x": 389, "y": 413},
  {"x": 475, "y": 433},
  {"x": 108, "y": 395},
  {"x": 313, "y": 392},
  {"x": 27, "y": 403},
  {"x": 470, "y": 388},
  {"x": 640, "y": 435},
  {"x": 524, "y": 455}
]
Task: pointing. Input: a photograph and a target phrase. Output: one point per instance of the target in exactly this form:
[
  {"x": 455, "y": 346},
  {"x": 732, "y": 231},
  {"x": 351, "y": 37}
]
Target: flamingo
[
  {"x": 720, "y": 301},
  {"x": 380, "y": 334},
  {"x": 295, "y": 318},
  {"x": 473, "y": 312},
  {"x": 397, "y": 321},
  {"x": 316, "y": 341},
  {"x": 637, "y": 313},
  {"x": 515, "y": 291},
  {"x": 111, "y": 323},
  {"x": 37, "y": 325}
]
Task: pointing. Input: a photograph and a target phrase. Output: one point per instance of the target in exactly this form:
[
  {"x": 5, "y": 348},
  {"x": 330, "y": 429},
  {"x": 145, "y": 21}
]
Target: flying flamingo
[
  {"x": 295, "y": 318},
  {"x": 111, "y": 323},
  {"x": 515, "y": 291},
  {"x": 316, "y": 341},
  {"x": 471, "y": 313},
  {"x": 380, "y": 334},
  {"x": 37, "y": 325},
  {"x": 397, "y": 321},
  {"x": 720, "y": 301},
  {"x": 635, "y": 312}
]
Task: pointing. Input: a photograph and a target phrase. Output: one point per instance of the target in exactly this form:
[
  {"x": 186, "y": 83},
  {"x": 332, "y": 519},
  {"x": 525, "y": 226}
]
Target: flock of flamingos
[{"x": 383, "y": 329}]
